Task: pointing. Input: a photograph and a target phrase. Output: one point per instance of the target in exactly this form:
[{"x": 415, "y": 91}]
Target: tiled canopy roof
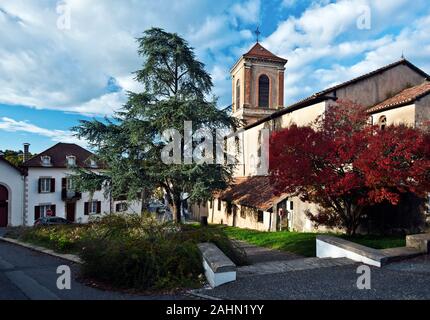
[
  {"x": 256, "y": 192},
  {"x": 58, "y": 154},
  {"x": 406, "y": 96},
  {"x": 258, "y": 51}
]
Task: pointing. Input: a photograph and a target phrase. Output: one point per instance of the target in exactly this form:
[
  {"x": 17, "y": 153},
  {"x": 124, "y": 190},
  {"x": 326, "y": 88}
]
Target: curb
[
  {"x": 69, "y": 257},
  {"x": 201, "y": 295}
]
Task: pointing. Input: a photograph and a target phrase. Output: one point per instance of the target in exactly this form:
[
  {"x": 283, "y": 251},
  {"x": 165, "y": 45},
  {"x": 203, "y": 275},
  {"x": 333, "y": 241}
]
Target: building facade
[
  {"x": 42, "y": 187},
  {"x": 398, "y": 93}
]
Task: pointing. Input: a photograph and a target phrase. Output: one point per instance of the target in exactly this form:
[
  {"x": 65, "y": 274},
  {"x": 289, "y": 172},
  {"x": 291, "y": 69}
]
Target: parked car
[{"x": 51, "y": 221}]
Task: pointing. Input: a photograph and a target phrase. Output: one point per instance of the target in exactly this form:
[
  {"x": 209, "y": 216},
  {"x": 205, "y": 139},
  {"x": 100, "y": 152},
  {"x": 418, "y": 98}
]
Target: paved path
[
  {"x": 403, "y": 280},
  {"x": 28, "y": 275},
  {"x": 260, "y": 254}
]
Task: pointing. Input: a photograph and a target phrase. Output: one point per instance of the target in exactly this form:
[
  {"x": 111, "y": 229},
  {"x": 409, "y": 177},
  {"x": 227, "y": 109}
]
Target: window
[
  {"x": 92, "y": 207},
  {"x": 242, "y": 212},
  {"x": 69, "y": 184},
  {"x": 219, "y": 204},
  {"x": 263, "y": 91},
  {"x": 291, "y": 205},
  {"x": 121, "y": 207},
  {"x": 93, "y": 163},
  {"x": 71, "y": 161},
  {"x": 260, "y": 216},
  {"x": 211, "y": 203},
  {"x": 229, "y": 208},
  {"x": 238, "y": 95},
  {"x": 382, "y": 122},
  {"x": 46, "y": 161},
  {"x": 45, "y": 185}
]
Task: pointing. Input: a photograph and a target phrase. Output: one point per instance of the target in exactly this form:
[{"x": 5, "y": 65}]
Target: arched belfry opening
[{"x": 258, "y": 84}]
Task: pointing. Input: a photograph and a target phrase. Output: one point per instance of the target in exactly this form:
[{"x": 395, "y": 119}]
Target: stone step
[
  {"x": 399, "y": 254},
  {"x": 292, "y": 265}
]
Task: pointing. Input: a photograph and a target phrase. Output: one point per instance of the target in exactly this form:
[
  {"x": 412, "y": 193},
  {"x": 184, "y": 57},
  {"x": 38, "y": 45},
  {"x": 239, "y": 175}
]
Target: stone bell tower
[{"x": 257, "y": 84}]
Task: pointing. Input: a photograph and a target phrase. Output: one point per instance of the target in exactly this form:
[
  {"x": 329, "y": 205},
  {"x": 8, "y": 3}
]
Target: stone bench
[
  {"x": 420, "y": 242},
  {"x": 332, "y": 247},
  {"x": 219, "y": 269}
]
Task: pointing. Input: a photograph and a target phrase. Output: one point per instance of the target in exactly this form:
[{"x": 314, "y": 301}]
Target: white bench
[{"x": 219, "y": 269}]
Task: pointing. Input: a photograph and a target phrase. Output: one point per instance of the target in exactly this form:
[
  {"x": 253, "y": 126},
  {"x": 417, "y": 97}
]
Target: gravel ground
[{"x": 404, "y": 280}]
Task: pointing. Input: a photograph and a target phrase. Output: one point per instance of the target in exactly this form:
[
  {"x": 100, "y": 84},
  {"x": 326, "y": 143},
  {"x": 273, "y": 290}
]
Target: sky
[{"x": 65, "y": 61}]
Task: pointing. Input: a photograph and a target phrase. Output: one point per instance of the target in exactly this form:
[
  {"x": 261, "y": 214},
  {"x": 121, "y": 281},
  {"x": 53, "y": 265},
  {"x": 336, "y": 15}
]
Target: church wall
[
  {"x": 380, "y": 87},
  {"x": 396, "y": 116},
  {"x": 272, "y": 73},
  {"x": 304, "y": 116},
  {"x": 422, "y": 112},
  {"x": 238, "y": 74}
]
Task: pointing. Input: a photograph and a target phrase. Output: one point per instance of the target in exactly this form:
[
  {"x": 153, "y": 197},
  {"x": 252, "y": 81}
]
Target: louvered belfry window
[
  {"x": 263, "y": 91},
  {"x": 238, "y": 95}
]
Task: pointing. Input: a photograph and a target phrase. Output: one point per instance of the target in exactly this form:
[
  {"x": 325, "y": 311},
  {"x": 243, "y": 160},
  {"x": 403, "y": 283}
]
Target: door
[
  {"x": 70, "y": 211},
  {"x": 4, "y": 197}
]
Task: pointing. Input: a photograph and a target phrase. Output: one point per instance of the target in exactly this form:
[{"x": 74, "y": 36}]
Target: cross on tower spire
[{"x": 257, "y": 33}]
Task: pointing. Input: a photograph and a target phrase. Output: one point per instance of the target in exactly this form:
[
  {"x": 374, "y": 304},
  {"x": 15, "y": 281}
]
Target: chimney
[{"x": 26, "y": 156}]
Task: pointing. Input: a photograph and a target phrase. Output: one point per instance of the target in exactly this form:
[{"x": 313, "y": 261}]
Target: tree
[
  {"x": 344, "y": 164},
  {"x": 130, "y": 145},
  {"x": 14, "y": 157}
]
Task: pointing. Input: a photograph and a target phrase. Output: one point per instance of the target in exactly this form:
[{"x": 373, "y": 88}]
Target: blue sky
[{"x": 51, "y": 76}]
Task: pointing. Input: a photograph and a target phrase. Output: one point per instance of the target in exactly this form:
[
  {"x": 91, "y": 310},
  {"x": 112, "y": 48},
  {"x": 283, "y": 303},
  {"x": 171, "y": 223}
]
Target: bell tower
[{"x": 257, "y": 84}]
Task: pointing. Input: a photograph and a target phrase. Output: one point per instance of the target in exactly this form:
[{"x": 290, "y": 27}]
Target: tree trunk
[{"x": 177, "y": 210}]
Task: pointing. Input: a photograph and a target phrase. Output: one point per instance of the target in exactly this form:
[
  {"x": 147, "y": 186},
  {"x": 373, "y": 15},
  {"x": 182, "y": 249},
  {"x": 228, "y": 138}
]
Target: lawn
[{"x": 304, "y": 243}]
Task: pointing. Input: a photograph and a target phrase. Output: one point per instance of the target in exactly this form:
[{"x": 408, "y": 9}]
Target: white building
[{"x": 42, "y": 185}]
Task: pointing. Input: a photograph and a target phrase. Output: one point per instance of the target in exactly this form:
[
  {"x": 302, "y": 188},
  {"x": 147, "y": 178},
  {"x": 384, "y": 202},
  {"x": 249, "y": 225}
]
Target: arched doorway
[{"x": 4, "y": 197}]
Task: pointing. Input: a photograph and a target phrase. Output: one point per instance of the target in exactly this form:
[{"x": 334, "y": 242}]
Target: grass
[{"x": 305, "y": 243}]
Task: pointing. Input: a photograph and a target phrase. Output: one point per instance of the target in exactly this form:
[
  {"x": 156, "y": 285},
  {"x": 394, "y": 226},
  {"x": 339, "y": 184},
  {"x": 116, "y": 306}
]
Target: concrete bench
[
  {"x": 332, "y": 247},
  {"x": 420, "y": 242},
  {"x": 219, "y": 269}
]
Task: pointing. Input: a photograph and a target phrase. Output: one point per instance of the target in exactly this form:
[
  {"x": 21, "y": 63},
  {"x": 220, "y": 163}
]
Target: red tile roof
[
  {"x": 404, "y": 97},
  {"x": 58, "y": 154},
  {"x": 256, "y": 192},
  {"x": 258, "y": 51}
]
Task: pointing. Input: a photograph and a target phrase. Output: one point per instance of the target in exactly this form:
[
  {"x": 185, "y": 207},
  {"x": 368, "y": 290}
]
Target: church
[{"x": 394, "y": 94}]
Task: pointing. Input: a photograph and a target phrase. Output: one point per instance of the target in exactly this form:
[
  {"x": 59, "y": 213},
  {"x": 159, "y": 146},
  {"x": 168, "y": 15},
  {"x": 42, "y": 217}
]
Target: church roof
[
  {"x": 259, "y": 52},
  {"x": 58, "y": 154},
  {"x": 255, "y": 192},
  {"x": 404, "y": 97},
  {"x": 326, "y": 94}
]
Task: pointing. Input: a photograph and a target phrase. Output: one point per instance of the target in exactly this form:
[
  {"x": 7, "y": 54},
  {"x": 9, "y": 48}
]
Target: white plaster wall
[
  {"x": 402, "y": 115},
  {"x": 13, "y": 181},
  {"x": 36, "y": 199}
]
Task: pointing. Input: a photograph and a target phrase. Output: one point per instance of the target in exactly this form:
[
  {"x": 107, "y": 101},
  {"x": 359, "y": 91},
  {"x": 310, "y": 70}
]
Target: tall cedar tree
[
  {"x": 344, "y": 164},
  {"x": 175, "y": 89}
]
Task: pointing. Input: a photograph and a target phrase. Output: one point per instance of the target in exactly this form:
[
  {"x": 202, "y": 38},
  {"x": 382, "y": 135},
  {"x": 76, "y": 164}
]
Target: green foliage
[
  {"x": 14, "y": 157},
  {"x": 176, "y": 86},
  {"x": 133, "y": 251},
  {"x": 305, "y": 243}
]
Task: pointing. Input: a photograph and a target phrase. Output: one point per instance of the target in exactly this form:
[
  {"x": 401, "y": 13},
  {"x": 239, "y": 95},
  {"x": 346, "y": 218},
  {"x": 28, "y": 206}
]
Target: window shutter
[
  {"x": 36, "y": 213},
  {"x": 86, "y": 209},
  {"x": 52, "y": 184},
  {"x": 40, "y": 185},
  {"x": 117, "y": 207},
  {"x": 53, "y": 209},
  {"x": 99, "y": 207},
  {"x": 63, "y": 183}
]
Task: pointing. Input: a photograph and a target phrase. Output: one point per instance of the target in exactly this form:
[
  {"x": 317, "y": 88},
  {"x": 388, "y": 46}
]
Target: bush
[
  {"x": 142, "y": 253},
  {"x": 135, "y": 252}
]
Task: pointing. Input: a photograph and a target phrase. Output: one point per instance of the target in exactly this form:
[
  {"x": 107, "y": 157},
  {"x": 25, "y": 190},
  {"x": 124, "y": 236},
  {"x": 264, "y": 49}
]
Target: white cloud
[
  {"x": 47, "y": 68},
  {"x": 11, "y": 125},
  {"x": 324, "y": 44}
]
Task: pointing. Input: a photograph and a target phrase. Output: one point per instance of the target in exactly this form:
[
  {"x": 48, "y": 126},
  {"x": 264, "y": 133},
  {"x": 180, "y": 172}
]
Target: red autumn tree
[{"x": 344, "y": 164}]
